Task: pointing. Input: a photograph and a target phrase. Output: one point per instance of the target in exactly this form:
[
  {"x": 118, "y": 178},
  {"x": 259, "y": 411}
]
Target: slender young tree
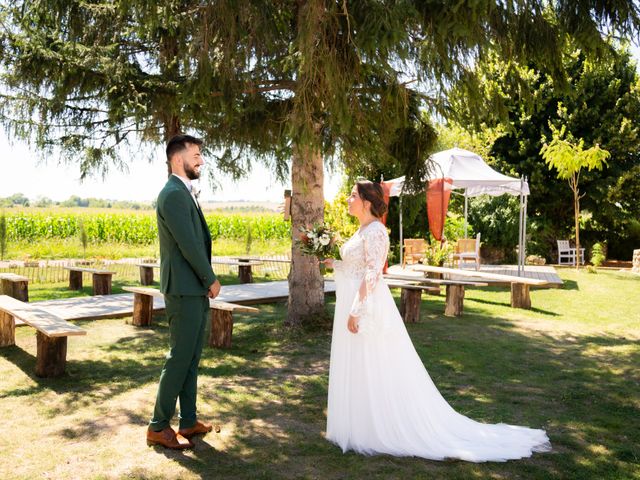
[
  {"x": 294, "y": 83},
  {"x": 569, "y": 157}
]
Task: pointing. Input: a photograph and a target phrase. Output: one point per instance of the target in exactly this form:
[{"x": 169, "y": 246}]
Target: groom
[{"x": 187, "y": 281}]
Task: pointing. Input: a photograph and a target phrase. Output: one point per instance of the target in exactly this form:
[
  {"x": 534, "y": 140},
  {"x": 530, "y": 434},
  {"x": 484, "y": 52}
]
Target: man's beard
[{"x": 191, "y": 173}]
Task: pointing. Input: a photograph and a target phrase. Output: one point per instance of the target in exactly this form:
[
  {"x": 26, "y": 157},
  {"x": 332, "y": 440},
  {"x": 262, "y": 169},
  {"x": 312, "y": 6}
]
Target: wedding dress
[{"x": 381, "y": 398}]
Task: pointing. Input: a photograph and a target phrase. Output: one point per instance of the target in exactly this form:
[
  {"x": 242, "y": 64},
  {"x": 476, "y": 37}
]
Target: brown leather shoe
[
  {"x": 197, "y": 429},
  {"x": 168, "y": 438}
]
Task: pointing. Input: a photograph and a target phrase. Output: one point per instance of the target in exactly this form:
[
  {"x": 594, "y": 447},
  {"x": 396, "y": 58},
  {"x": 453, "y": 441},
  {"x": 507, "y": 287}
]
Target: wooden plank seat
[
  {"x": 454, "y": 302},
  {"x": 52, "y": 333},
  {"x": 16, "y": 286},
  {"x": 146, "y": 272},
  {"x": 411, "y": 297},
  {"x": 221, "y": 314},
  {"x": 520, "y": 286},
  {"x": 101, "y": 279}
]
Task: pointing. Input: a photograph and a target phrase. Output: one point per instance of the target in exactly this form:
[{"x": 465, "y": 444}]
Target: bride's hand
[
  {"x": 328, "y": 262},
  {"x": 352, "y": 324}
]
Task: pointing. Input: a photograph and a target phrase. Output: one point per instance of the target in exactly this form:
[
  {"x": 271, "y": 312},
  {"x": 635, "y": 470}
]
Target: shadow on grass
[{"x": 269, "y": 390}]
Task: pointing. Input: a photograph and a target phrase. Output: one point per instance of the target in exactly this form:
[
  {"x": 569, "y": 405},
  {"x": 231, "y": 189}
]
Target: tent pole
[
  {"x": 400, "y": 210},
  {"x": 520, "y": 225},
  {"x": 524, "y": 231},
  {"x": 466, "y": 211}
]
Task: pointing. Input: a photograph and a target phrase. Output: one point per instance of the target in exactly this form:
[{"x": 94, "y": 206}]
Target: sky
[{"x": 24, "y": 171}]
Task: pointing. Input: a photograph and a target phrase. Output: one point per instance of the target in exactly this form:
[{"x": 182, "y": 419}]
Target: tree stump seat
[
  {"x": 245, "y": 273},
  {"x": 146, "y": 272},
  {"x": 101, "y": 279},
  {"x": 16, "y": 286},
  {"x": 221, "y": 314},
  {"x": 52, "y": 333},
  {"x": 410, "y": 298}
]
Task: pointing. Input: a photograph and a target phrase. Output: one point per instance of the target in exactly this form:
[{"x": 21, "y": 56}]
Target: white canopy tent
[{"x": 469, "y": 172}]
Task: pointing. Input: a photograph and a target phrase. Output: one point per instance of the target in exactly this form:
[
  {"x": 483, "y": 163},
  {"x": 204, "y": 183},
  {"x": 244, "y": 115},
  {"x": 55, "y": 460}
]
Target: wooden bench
[
  {"x": 454, "y": 302},
  {"x": 411, "y": 297},
  {"x": 146, "y": 272},
  {"x": 101, "y": 279},
  {"x": 15, "y": 286},
  {"x": 520, "y": 295},
  {"x": 52, "y": 333},
  {"x": 244, "y": 267},
  {"x": 221, "y": 314}
]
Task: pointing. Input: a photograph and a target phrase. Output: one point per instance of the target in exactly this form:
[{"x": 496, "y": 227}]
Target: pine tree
[{"x": 293, "y": 83}]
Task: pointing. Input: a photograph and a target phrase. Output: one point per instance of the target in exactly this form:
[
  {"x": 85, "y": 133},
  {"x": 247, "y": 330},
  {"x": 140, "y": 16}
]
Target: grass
[
  {"x": 570, "y": 366},
  {"x": 51, "y": 249}
]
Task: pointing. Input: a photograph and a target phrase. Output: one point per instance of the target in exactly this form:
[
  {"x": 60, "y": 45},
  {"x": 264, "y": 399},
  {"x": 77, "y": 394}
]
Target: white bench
[
  {"x": 454, "y": 302},
  {"x": 520, "y": 297},
  {"x": 101, "y": 279},
  {"x": 52, "y": 333},
  {"x": 221, "y": 314}
]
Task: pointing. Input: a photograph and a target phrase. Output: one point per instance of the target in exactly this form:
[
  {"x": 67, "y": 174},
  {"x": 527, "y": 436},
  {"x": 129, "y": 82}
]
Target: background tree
[
  {"x": 600, "y": 103},
  {"x": 294, "y": 83},
  {"x": 569, "y": 158}
]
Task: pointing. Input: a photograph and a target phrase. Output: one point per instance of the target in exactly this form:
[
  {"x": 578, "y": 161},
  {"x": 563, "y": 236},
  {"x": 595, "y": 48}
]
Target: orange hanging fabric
[{"x": 438, "y": 194}]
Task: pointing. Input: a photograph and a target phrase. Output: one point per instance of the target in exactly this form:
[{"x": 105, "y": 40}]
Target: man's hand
[{"x": 214, "y": 289}]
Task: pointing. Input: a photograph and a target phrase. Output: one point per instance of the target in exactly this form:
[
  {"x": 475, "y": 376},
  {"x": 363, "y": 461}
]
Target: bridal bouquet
[{"x": 319, "y": 241}]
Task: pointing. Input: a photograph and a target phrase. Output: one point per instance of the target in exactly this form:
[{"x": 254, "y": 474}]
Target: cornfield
[{"x": 134, "y": 228}]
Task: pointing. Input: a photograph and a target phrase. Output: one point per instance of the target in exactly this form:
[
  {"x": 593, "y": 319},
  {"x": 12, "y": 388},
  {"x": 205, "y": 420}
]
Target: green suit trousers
[{"x": 188, "y": 318}]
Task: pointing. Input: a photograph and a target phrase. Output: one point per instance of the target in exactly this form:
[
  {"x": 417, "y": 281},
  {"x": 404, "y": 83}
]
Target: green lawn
[{"x": 570, "y": 366}]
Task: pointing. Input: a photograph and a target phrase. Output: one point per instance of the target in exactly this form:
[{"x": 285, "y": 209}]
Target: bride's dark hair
[{"x": 373, "y": 193}]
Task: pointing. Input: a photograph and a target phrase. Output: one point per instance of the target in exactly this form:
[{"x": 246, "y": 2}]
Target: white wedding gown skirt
[{"x": 382, "y": 400}]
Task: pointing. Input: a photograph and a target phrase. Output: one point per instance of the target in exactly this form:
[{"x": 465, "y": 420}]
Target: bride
[{"x": 381, "y": 398}]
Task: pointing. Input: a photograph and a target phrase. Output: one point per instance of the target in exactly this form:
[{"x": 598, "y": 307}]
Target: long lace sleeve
[{"x": 376, "y": 245}]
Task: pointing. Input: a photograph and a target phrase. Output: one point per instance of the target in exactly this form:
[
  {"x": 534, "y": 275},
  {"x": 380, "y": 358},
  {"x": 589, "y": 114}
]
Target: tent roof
[{"x": 470, "y": 172}]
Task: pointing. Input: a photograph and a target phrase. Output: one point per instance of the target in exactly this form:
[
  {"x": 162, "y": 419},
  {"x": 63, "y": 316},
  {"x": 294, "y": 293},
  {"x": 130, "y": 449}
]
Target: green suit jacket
[{"x": 185, "y": 242}]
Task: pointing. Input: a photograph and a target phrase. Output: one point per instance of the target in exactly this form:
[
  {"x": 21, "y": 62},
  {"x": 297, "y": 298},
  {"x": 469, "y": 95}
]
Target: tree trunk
[
  {"x": 576, "y": 209},
  {"x": 306, "y": 284}
]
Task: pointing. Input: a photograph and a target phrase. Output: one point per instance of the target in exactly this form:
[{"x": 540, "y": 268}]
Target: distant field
[{"x": 132, "y": 227}]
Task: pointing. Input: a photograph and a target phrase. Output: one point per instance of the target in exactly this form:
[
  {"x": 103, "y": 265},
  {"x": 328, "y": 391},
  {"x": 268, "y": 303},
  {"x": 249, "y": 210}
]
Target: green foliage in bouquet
[{"x": 319, "y": 241}]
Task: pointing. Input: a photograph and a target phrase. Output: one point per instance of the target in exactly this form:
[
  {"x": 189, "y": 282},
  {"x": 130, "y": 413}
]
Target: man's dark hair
[{"x": 179, "y": 143}]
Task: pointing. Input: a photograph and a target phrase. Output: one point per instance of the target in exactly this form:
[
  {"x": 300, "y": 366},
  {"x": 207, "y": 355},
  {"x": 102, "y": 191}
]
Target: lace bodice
[{"x": 363, "y": 258}]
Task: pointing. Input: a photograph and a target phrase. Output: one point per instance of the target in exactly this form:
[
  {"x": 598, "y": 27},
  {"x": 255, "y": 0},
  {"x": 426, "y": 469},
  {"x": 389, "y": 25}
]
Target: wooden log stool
[
  {"x": 520, "y": 297},
  {"x": 146, "y": 273},
  {"x": 454, "y": 301},
  {"x": 15, "y": 286},
  {"x": 245, "y": 273},
  {"x": 102, "y": 283},
  {"x": 75, "y": 279},
  {"x": 410, "y": 305}
]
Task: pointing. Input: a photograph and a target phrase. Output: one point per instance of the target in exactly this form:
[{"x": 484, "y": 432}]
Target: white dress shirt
[{"x": 189, "y": 186}]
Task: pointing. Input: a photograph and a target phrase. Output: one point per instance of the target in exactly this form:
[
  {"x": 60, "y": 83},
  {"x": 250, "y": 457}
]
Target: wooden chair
[
  {"x": 413, "y": 250},
  {"x": 468, "y": 251}
]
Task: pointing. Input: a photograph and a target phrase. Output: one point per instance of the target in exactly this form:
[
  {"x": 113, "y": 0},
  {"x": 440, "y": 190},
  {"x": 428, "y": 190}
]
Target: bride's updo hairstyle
[{"x": 372, "y": 192}]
